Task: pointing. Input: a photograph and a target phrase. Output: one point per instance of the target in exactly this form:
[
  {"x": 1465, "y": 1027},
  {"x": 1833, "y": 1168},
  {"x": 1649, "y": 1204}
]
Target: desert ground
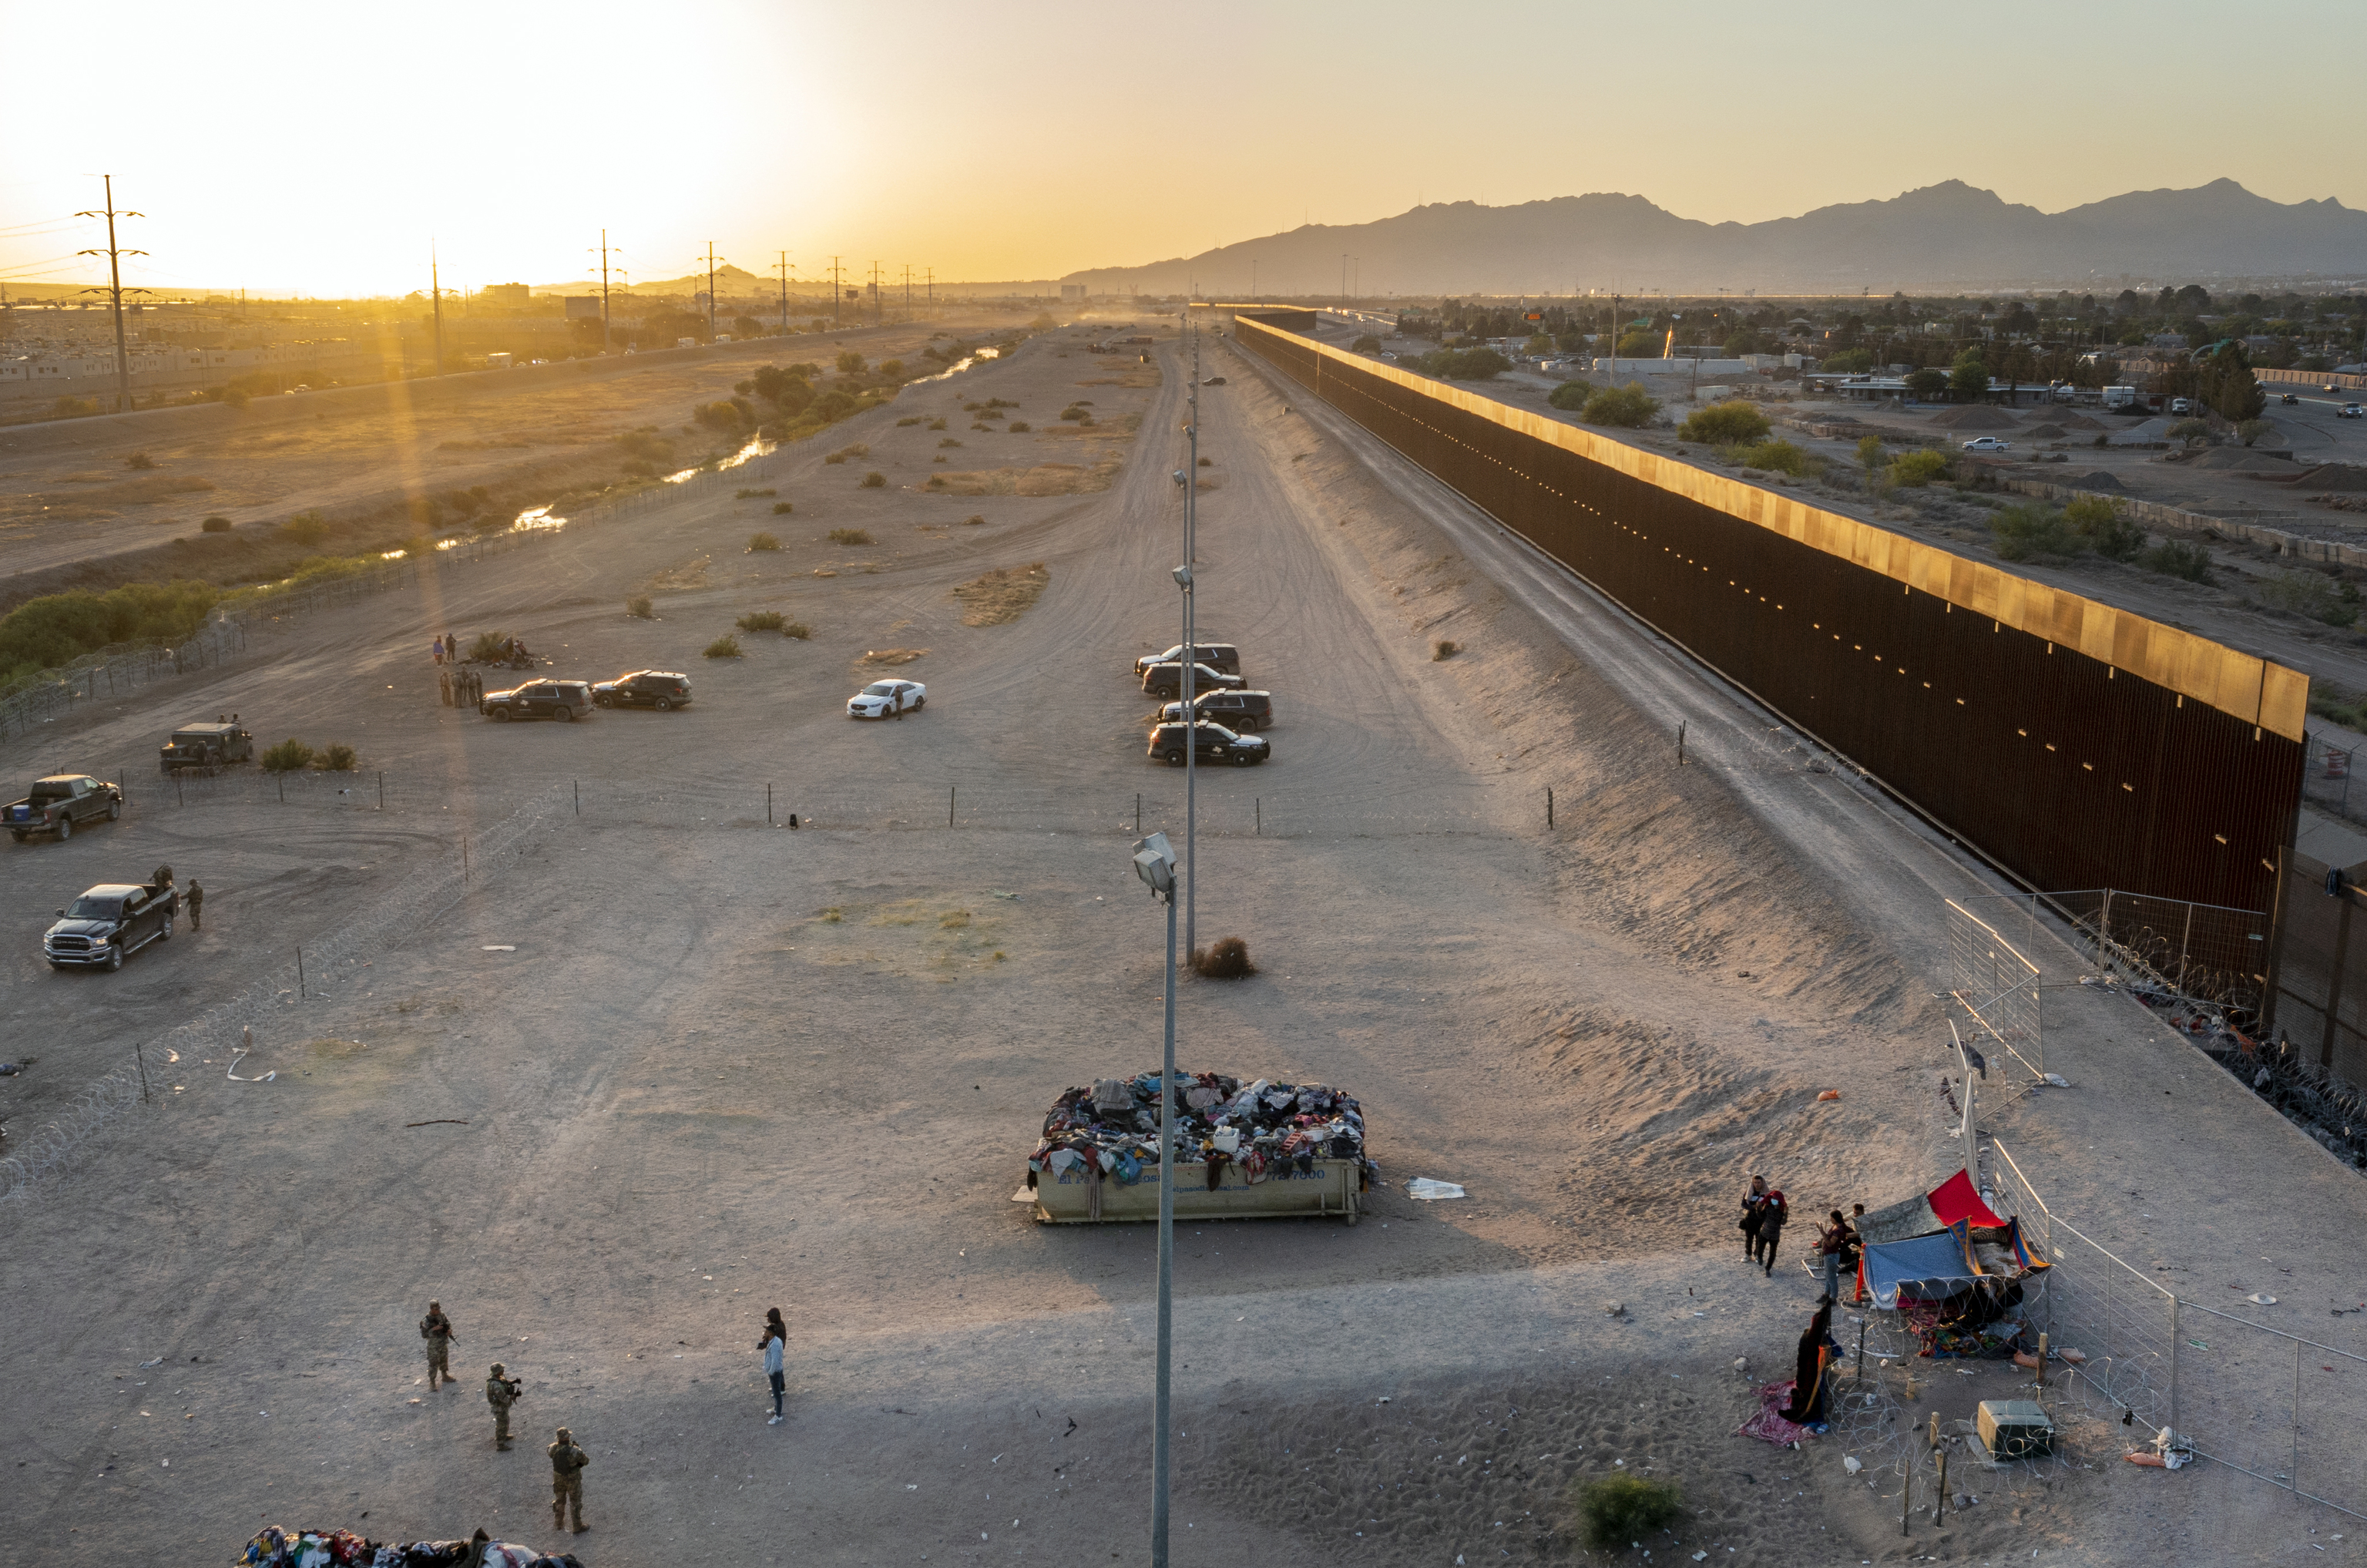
[{"x": 652, "y": 1050}]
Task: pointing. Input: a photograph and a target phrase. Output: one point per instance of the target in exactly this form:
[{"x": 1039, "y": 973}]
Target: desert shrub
[
  {"x": 1778, "y": 456},
  {"x": 892, "y": 368},
  {"x": 641, "y": 609},
  {"x": 797, "y": 629},
  {"x": 2172, "y": 559},
  {"x": 1725, "y": 424},
  {"x": 721, "y": 417},
  {"x": 948, "y": 441},
  {"x": 849, "y": 536},
  {"x": 937, "y": 424},
  {"x": 75, "y": 407},
  {"x": 1020, "y": 426},
  {"x": 306, "y": 529},
  {"x": 1367, "y": 344},
  {"x": 2310, "y": 594},
  {"x": 2251, "y": 430},
  {"x": 782, "y": 509},
  {"x": 1207, "y": 462},
  {"x": 994, "y": 402},
  {"x": 1228, "y": 957},
  {"x": 875, "y": 479},
  {"x": 140, "y": 461},
  {"x": 2028, "y": 532},
  {"x": 1628, "y": 408},
  {"x": 287, "y": 757},
  {"x": 2102, "y": 528},
  {"x": 902, "y": 424},
  {"x": 763, "y": 542},
  {"x": 760, "y": 621},
  {"x": 335, "y": 758},
  {"x": 835, "y": 458},
  {"x": 215, "y": 526},
  {"x": 1570, "y": 396},
  {"x": 2190, "y": 431},
  {"x": 724, "y": 647},
  {"x": 490, "y": 647},
  {"x": 1916, "y": 469},
  {"x": 850, "y": 363},
  {"x": 1443, "y": 649},
  {"x": 1614, "y": 1510},
  {"x": 754, "y": 495},
  {"x": 1073, "y": 412},
  {"x": 974, "y": 519}
]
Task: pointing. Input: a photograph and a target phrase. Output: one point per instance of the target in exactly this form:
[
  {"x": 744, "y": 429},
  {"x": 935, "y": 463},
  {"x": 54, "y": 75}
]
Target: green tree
[
  {"x": 2099, "y": 525},
  {"x": 1925, "y": 383},
  {"x": 1639, "y": 346},
  {"x": 1570, "y": 396},
  {"x": 850, "y": 363},
  {"x": 1725, "y": 424},
  {"x": 1969, "y": 376},
  {"x": 1629, "y": 407},
  {"x": 306, "y": 529},
  {"x": 747, "y": 326},
  {"x": 1869, "y": 456},
  {"x": 1850, "y": 361},
  {"x": 1367, "y": 344}
]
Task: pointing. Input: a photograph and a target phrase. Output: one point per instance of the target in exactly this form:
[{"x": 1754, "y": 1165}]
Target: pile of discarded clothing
[
  {"x": 1220, "y": 1121},
  {"x": 278, "y": 1548}
]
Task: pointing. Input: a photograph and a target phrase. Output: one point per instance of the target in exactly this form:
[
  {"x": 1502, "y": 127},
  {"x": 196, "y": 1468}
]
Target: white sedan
[
  {"x": 1986, "y": 444},
  {"x": 887, "y": 699}
]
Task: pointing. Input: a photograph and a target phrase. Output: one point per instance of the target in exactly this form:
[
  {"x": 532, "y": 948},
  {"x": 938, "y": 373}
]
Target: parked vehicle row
[{"x": 1224, "y": 709}]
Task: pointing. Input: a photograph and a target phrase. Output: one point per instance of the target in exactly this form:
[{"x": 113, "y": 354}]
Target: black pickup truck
[
  {"x": 59, "y": 803},
  {"x": 99, "y": 930}
]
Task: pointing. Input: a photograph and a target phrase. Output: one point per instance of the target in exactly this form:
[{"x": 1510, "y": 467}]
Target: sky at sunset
[{"x": 318, "y": 149}]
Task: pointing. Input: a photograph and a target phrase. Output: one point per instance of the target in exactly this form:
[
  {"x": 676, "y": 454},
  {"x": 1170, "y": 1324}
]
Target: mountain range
[{"x": 1945, "y": 236}]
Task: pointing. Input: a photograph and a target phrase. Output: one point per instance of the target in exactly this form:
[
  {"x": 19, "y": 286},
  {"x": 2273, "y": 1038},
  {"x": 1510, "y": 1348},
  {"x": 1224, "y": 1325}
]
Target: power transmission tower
[
  {"x": 785, "y": 292},
  {"x": 114, "y": 290},
  {"x": 837, "y": 288},
  {"x": 435, "y": 293},
  {"x": 711, "y": 291},
  {"x": 604, "y": 291}
]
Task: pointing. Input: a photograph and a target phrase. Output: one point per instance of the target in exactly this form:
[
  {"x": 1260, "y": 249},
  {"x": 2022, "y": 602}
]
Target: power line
[{"x": 114, "y": 290}]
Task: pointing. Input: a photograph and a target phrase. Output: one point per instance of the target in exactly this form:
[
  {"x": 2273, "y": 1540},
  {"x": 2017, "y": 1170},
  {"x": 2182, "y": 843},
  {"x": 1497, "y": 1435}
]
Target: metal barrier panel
[
  {"x": 2075, "y": 744},
  {"x": 1998, "y": 988}
]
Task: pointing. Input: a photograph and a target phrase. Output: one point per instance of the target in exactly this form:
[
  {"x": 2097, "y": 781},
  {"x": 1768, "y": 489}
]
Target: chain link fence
[
  {"x": 2325, "y": 780},
  {"x": 1997, "y": 989}
]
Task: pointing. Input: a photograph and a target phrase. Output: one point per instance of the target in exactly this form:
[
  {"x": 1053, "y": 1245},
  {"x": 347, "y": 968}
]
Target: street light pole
[
  {"x": 1154, "y": 862},
  {"x": 1191, "y": 667}
]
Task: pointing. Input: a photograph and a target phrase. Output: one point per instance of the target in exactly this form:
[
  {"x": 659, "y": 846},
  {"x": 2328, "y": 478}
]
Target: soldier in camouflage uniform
[
  {"x": 567, "y": 1462},
  {"x": 437, "y": 1329},
  {"x": 500, "y": 1392}
]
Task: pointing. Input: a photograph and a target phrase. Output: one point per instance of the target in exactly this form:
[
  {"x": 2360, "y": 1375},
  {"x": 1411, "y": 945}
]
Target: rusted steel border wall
[{"x": 2073, "y": 743}]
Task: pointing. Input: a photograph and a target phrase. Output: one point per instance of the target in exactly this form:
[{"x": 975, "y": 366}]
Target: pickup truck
[
  {"x": 60, "y": 802},
  {"x": 99, "y": 930}
]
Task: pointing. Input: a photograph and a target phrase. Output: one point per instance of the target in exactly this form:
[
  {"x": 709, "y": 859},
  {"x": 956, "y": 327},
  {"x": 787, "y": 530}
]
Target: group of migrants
[
  {"x": 1765, "y": 1215},
  {"x": 458, "y": 687}
]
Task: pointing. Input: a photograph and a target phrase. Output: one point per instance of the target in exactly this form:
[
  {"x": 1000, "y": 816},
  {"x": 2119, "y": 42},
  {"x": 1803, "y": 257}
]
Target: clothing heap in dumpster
[
  {"x": 1219, "y": 1120},
  {"x": 278, "y": 1548}
]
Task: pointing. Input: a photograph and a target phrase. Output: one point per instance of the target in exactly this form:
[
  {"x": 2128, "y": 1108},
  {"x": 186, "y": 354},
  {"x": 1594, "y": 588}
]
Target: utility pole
[
  {"x": 114, "y": 290},
  {"x": 711, "y": 291},
  {"x": 785, "y": 293},
  {"x": 837, "y": 287},
  {"x": 933, "y": 291},
  {"x": 435, "y": 292},
  {"x": 604, "y": 290},
  {"x": 878, "y": 300},
  {"x": 1192, "y": 664},
  {"x": 908, "y": 291},
  {"x": 1253, "y": 293}
]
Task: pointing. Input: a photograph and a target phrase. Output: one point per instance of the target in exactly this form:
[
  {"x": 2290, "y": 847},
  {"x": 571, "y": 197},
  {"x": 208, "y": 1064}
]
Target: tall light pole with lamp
[{"x": 1154, "y": 862}]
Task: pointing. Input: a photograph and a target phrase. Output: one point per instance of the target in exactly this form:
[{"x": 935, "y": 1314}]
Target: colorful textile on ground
[
  {"x": 1114, "y": 1127},
  {"x": 278, "y": 1548},
  {"x": 1768, "y": 1426}
]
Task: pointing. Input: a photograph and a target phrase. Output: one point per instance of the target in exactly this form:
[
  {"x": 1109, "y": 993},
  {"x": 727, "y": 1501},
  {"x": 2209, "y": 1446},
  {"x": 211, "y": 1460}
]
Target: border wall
[{"x": 2072, "y": 743}]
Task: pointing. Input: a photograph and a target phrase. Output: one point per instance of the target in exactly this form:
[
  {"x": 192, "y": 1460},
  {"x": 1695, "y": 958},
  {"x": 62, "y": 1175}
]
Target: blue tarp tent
[{"x": 1929, "y": 1267}]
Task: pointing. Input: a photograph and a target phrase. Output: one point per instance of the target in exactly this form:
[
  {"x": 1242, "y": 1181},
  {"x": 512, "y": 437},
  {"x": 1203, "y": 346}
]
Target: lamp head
[
  {"x": 1179, "y": 476},
  {"x": 1183, "y": 578},
  {"x": 1154, "y": 862}
]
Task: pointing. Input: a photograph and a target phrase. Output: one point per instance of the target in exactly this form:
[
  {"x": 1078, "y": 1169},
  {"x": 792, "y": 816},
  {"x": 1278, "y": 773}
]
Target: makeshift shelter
[{"x": 1945, "y": 1205}]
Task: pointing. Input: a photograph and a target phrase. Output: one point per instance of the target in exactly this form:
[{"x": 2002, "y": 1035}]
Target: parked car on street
[
  {"x": 1213, "y": 744},
  {"x": 2179, "y": 405},
  {"x": 565, "y": 700},
  {"x": 1167, "y": 680},
  {"x": 1216, "y": 655},
  {"x": 888, "y": 700},
  {"x": 1238, "y": 710},
  {"x": 1986, "y": 444},
  {"x": 108, "y": 924},
  {"x": 58, "y": 804},
  {"x": 660, "y": 689},
  {"x": 204, "y": 747}
]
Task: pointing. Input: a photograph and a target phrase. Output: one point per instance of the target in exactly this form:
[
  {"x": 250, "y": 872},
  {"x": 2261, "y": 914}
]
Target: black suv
[
  {"x": 204, "y": 747},
  {"x": 110, "y": 921},
  {"x": 560, "y": 699},
  {"x": 1240, "y": 710},
  {"x": 1216, "y": 655},
  {"x": 660, "y": 690},
  {"x": 1213, "y": 742},
  {"x": 1167, "y": 680}
]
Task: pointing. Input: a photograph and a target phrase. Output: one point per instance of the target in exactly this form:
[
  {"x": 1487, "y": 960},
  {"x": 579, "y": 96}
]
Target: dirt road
[{"x": 652, "y": 1068}]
